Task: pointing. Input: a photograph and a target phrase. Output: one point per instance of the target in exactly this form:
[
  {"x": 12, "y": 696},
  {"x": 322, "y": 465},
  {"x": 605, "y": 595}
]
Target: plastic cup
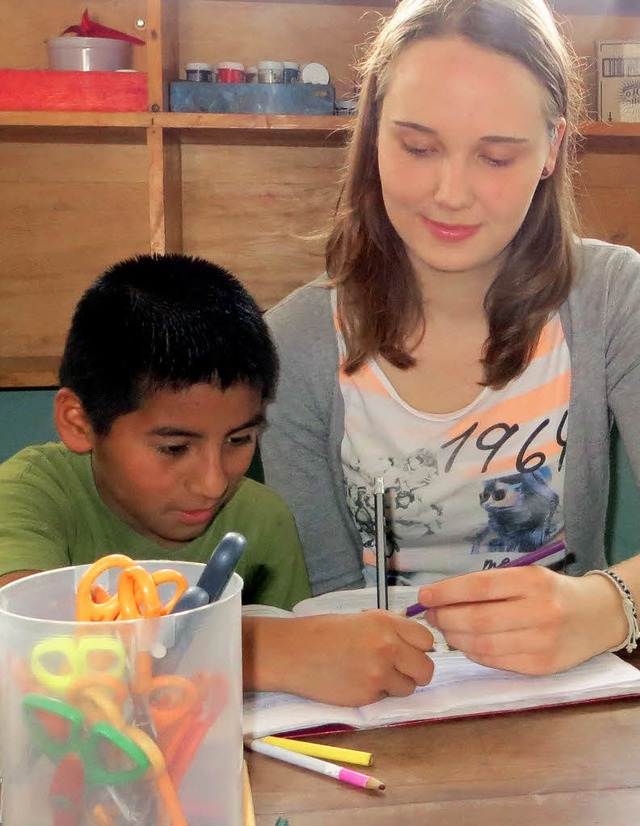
[{"x": 70, "y": 690}]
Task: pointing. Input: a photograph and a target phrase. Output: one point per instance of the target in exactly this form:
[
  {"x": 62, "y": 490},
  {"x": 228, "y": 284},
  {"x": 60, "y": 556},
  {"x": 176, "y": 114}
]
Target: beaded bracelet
[{"x": 630, "y": 610}]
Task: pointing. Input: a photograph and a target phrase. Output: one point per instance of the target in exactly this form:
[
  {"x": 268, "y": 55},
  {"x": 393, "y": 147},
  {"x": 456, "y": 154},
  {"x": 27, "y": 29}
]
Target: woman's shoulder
[
  {"x": 306, "y": 311},
  {"x": 599, "y": 261}
]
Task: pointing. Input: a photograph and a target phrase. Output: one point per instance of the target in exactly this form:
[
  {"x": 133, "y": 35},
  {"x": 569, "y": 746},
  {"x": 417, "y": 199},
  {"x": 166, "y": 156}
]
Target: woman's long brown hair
[{"x": 379, "y": 299}]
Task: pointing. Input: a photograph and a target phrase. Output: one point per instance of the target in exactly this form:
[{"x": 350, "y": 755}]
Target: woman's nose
[{"x": 453, "y": 186}]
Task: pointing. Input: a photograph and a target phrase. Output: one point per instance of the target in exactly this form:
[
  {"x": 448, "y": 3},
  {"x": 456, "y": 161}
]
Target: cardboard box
[
  {"x": 29, "y": 90},
  {"x": 618, "y": 80},
  {"x": 267, "y": 98}
]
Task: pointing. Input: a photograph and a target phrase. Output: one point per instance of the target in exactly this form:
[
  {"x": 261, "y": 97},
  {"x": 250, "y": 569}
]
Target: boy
[{"x": 164, "y": 379}]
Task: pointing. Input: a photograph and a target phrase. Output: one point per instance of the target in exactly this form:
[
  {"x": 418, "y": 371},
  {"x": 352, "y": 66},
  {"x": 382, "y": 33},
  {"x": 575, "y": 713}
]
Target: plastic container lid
[
  {"x": 73, "y": 42},
  {"x": 275, "y": 65},
  {"x": 315, "y": 73},
  {"x": 195, "y": 67},
  {"x": 290, "y": 64},
  {"x": 230, "y": 64}
]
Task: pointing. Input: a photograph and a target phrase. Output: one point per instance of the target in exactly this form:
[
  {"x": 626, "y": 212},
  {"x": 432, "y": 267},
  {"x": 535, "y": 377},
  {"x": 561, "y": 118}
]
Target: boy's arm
[
  {"x": 348, "y": 660},
  {"x": 5, "y": 579},
  {"x": 33, "y": 530}
]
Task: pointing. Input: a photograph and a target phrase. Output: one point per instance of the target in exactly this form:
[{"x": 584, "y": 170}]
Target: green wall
[{"x": 25, "y": 418}]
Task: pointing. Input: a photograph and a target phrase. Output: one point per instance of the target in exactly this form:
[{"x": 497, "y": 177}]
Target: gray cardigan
[{"x": 301, "y": 447}]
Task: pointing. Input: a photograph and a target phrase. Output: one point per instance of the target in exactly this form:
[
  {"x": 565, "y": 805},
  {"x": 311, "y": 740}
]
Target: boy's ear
[{"x": 71, "y": 421}]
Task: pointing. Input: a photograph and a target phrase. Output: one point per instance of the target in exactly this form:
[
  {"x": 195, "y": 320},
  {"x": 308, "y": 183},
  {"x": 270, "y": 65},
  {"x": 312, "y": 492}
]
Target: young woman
[{"x": 465, "y": 345}]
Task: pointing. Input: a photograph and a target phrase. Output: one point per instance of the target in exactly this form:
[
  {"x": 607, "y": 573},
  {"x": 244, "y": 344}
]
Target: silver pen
[{"x": 380, "y": 543}]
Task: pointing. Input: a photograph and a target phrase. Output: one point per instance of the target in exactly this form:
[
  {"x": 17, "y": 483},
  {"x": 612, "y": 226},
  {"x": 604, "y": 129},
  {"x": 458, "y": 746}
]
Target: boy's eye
[
  {"x": 172, "y": 450},
  {"x": 239, "y": 439}
]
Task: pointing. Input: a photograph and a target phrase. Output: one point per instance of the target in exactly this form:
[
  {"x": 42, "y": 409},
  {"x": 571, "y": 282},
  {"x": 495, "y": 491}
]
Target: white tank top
[{"x": 466, "y": 490}]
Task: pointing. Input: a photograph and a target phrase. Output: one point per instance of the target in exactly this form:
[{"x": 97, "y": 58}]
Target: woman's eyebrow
[{"x": 427, "y": 130}]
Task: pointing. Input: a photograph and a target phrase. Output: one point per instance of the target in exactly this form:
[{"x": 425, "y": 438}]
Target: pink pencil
[{"x": 365, "y": 781}]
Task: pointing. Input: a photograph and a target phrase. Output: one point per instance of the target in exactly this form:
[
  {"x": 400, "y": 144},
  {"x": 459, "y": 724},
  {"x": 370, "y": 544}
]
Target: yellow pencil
[
  {"x": 357, "y": 758},
  {"x": 249, "y": 813}
]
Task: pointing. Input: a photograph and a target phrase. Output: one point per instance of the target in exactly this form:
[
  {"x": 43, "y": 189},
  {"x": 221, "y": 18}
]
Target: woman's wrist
[{"x": 623, "y": 631}]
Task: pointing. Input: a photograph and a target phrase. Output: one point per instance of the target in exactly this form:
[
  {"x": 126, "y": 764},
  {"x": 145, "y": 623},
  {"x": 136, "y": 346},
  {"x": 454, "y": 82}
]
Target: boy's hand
[
  {"x": 531, "y": 620},
  {"x": 347, "y": 660}
]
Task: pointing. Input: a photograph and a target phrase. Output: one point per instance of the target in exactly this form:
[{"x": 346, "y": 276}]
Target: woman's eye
[
  {"x": 498, "y": 162},
  {"x": 417, "y": 150}
]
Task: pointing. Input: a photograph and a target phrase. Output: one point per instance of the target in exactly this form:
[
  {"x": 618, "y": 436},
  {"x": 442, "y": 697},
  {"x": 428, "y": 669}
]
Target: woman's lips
[{"x": 451, "y": 232}]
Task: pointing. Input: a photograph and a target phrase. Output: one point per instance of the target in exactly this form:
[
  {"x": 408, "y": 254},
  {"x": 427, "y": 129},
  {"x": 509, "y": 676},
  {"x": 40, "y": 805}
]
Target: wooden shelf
[
  {"x": 601, "y": 129},
  {"x": 211, "y": 126},
  {"x": 94, "y": 120},
  {"x": 35, "y": 371},
  {"x": 70, "y": 127},
  {"x": 195, "y": 127}
]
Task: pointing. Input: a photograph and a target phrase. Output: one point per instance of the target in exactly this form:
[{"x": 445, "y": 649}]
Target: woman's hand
[
  {"x": 531, "y": 620},
  {"x": 347, "y": 660}
]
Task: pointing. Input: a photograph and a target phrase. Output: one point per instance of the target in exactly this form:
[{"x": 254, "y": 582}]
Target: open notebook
[{"x": 459, "y": 688}]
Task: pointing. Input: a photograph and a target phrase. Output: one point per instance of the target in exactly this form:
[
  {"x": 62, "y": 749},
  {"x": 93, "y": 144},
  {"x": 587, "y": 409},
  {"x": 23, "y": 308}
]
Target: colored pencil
[
  {"x": 518, "y": 561},
  {"x": 380, "y": 540},
  {"x": 249, "y": 814},
  {"x": 304, "y": 761},
  {"x": 356, "y": 758}
]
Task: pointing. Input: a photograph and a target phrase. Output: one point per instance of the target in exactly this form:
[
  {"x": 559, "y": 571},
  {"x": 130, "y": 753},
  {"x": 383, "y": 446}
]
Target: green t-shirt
[{"x": 51, "y": 515}]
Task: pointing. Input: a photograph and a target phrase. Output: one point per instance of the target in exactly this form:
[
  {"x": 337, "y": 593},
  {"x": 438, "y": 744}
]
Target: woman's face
[{"x": 462, "y": 143}]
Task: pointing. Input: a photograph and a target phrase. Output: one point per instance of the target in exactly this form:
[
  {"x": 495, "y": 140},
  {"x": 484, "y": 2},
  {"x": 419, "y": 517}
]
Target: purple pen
[
  {"x": 537, "y": 555},
  {"x": 525, "y": 559}
]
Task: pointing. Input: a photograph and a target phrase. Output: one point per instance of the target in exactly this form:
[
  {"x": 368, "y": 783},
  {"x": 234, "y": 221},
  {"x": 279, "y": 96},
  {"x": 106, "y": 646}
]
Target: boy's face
[{"x": 167, "y": 468}]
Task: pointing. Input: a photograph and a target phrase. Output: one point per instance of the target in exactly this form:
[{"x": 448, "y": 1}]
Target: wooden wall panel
[
  {"x": 609, "y": 196},
  {"x": 66, "y": 212},
  {"x": 304, "y": 32},
  {"x": 255, "y": 210}
]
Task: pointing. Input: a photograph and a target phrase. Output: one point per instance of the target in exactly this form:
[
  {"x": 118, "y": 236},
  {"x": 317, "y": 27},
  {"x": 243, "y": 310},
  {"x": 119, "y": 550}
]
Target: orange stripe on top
[
  {"x": 551, "y": 337},
  {"x": 365, "y": 380},
  {"x": 522, "y": 408}
]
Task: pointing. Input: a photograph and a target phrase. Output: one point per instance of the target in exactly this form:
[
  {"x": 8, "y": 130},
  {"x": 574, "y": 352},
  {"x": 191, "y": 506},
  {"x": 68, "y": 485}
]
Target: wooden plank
[
  {"x": 165, "y": 191},
  {"x": 67, "y": 212},
  {"x": 29, "y": 372},
  {"x": 162, "y": 49},
  {"x": 260, "y": 212},
  {"x": 88, "y": 120},
  {"x": 610, "y": 807},
  {"x": 608, "y": 189}
]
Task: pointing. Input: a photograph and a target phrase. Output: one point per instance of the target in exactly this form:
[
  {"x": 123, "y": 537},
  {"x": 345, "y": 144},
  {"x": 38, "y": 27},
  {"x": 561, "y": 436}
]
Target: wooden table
[{"x": 571, "y": 766}]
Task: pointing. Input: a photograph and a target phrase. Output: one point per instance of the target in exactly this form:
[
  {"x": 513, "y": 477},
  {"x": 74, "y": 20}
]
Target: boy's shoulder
[
  {"x": 255, "y": 498},
  {"x": 50, "y": 460}
]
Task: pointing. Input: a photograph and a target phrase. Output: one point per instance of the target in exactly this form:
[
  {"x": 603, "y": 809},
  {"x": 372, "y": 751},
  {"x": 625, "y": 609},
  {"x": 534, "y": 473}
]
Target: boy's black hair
[{"x": 163, "y": 321}]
